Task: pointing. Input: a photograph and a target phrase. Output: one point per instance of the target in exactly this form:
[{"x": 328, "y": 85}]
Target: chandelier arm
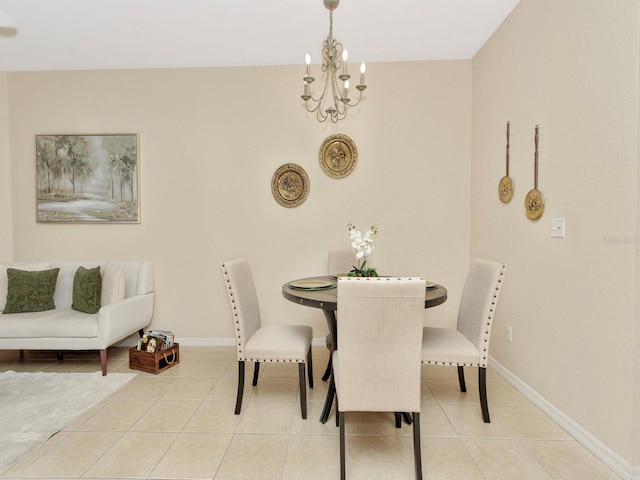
[
  {"x": 340, "y": 106},
  {"x": 320, "y": 115},
  {"x": 311, "y": 110},
  {"x": 327, "y": 90},
  {"x": 351, "y": 104},
  {"x": 318, "y": 101},
  {"x": 314, "y": 101}
]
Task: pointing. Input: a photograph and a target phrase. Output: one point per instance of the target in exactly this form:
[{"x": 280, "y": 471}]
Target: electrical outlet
[{"x": 509, "y": 333}]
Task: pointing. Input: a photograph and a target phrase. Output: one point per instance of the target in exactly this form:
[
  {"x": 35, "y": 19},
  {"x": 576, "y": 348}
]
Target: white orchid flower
[{"x": 362, "y": 245}]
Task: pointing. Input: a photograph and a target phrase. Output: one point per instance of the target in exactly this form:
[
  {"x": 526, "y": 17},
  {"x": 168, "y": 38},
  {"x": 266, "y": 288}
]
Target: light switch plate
[{"x": 557, "y": 227}]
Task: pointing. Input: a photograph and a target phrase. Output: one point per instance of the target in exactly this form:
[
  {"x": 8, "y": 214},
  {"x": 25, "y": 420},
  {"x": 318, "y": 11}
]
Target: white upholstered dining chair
[
  {"x": 468, "y": 345},
  {"x": 377, "y": 365},
  {"x": 257, "y": 343},
  {"x": 340, "y": 262}
]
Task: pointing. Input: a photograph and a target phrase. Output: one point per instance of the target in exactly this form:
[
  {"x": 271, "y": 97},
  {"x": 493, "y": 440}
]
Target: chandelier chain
[{"x": 331, "y": 22}]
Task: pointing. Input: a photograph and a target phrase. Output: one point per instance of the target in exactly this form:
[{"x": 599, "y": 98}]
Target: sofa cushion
[
  {"x": 87, "y": 289},
  {"x": 63, "y": 322},
  {"x": 30, "y": 291},
  {"x": 113, "y": 284},
  {"x": 21, "y": 266}
]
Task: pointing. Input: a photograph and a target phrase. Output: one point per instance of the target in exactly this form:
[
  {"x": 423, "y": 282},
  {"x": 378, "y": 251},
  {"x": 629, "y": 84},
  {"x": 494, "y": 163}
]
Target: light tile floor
[{"x": 180, "y": 425}]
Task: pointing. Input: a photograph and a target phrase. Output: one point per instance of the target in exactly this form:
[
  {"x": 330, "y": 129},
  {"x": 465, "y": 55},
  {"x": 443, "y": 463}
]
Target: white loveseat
[{"x": 64, "y": 328}]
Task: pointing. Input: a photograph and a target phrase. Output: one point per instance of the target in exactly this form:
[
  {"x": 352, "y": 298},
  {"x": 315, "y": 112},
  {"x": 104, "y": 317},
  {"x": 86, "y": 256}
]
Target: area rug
[{"x": 34, "y": 406}]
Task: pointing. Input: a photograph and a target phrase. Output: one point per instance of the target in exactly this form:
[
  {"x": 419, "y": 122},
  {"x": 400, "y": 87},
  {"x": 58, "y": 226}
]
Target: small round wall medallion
[
  {"x": 338, "y": 155},
  {"x": 534, "y": 204},
  {"x": 290, "y": 185},
  {"x": 505, "y": 189}
]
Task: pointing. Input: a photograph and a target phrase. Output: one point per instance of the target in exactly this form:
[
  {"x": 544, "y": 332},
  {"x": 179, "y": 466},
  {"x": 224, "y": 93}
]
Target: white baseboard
[
  {"x": 228, "y": 342},
  {"x": 186, "y": 342},
  {"x": 206, "y": 342},
  {"x": 616, "y": 463}
]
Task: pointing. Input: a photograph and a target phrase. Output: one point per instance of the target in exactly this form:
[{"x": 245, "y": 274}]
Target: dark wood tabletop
[{"x": 326, "y": 299}]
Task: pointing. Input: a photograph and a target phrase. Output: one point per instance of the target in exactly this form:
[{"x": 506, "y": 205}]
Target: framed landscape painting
[{"x": 87, "y": 178}]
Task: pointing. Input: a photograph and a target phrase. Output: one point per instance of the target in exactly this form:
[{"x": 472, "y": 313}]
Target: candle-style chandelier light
[{"x": 334, "y": 100}]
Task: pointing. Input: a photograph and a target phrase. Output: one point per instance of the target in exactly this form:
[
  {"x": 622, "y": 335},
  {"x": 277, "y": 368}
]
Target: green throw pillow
[
  {"x": 29, "y": 291},
  {"x": 87, "y": 289}
]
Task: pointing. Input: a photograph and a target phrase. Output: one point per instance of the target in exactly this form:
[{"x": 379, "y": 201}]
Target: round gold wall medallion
[
  {"x": 534, "y": 204},
  {"x": 338, "y": 155},
  {"x": 290, "y": 185},
  {"x": 505, "y": 189}
]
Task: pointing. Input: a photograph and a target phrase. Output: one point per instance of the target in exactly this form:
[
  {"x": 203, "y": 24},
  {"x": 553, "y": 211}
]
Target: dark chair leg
[
  {"x": 482, "y": 386},
  {"x": 59, "y": 355},
  {"x": 240, "y": 386},
  {"x": 407, "y": 418},
  {"x": 256, "y": 371},
  {"x": 310, "y": 367},
  {"x": 417, "y": 450},
  {"x": 463, "y": 386},
  {"x": 343, "y": 469},
  {"x": 303, "y": 391},
  {"x": 21, "y": 355},
  {"x": 103, "y": 361},
  {"x": 398, "y": 416},
  {"x": 327, "y": 372}
]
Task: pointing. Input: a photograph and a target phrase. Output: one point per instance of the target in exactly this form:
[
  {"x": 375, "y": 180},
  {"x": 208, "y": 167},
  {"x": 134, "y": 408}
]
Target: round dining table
[{"x": 321, "y": 292}]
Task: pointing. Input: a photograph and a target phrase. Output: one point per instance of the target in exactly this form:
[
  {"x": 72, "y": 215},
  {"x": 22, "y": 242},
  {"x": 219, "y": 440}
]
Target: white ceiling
[{"x": 98, "y": 34}]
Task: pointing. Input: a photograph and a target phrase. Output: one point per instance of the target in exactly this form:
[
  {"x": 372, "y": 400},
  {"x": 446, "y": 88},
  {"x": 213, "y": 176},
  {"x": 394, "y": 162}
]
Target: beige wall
[
  {"x": 210, "y": 141},
  {"x": 6, "y": 217},
  {"x": 636, "y": 419},
  {"x": 571, "y": 68}
]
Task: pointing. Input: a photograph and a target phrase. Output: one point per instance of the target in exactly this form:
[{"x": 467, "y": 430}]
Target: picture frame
[{"x": 87, "y": 178}]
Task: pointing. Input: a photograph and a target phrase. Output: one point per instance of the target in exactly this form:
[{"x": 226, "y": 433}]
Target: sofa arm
[{"x": 121, "y": 319}]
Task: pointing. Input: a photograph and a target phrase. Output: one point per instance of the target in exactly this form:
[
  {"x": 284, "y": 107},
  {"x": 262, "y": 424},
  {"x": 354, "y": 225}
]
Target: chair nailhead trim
[
  {"x": 234, "y": 308},
  {"x": 432, "y": 362},
  {"x": 269, "y": 360}
]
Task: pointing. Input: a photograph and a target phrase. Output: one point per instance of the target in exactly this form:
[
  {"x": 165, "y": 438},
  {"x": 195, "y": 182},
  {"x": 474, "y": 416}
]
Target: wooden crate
[{"x": 156, "y": 362}]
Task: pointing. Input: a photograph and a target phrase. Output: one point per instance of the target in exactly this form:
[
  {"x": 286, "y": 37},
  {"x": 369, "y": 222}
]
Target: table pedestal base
[{"x": 330, "y": 316}]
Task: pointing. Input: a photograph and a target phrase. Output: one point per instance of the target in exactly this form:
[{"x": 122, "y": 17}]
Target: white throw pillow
[
  {"x": 113, "y": 284},
  {"x": 4, "y": 282}
]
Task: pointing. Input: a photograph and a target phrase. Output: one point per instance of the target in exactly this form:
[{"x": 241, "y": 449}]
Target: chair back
[
  {"x": 379, "y": 343},
  {"x": 243, "y": 300},
  {"x": 341, "y": 261},
  {"x": 478, "y": 303}
]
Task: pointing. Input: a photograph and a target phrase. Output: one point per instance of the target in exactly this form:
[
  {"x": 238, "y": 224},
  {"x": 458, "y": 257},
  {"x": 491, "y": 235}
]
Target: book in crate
[
  {"x": 156, "y": 340},
  {"x": 166, "y": 336}
]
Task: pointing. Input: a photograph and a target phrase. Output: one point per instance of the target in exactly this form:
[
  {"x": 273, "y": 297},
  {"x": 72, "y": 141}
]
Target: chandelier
[{"x": 334, "y": 99}]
